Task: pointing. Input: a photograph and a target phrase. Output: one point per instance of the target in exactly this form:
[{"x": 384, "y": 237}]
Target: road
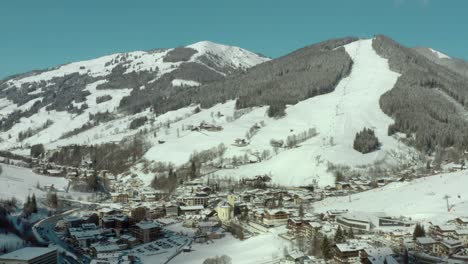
[{"x": 46, "y": 230}]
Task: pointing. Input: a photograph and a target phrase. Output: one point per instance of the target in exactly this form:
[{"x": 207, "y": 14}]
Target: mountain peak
[{"x": 232, "y": 55}]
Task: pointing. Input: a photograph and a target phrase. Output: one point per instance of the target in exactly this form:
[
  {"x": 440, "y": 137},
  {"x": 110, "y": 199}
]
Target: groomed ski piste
[{"x": 336, "y": 117}]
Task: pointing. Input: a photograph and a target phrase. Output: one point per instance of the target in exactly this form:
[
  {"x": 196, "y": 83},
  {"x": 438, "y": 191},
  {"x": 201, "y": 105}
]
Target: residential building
[
  {"x": 119, "y": 197},
  {"x": 172, "y": 210},
  {"x": 348, "y": 252},
  {"x": 138, "y": 213},
  {"x": 147, "y": 231},
  {"x": 275, "y": 217},
  {"x": 30, "y": 255}
]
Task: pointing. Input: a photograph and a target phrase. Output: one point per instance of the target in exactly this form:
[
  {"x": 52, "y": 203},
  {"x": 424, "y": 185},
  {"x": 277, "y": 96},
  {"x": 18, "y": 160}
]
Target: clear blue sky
[{"x": 38, "y": 34}]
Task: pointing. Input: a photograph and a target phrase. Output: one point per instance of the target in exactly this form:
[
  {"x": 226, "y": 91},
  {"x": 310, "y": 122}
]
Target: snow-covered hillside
[
  {"x": 53, "y": 126},
  {"x": 144, "y": 60},
  {"x": 421, "y": 199},
  {"x": 18, "y": 182},
  {"x": 336, "y": 116}
]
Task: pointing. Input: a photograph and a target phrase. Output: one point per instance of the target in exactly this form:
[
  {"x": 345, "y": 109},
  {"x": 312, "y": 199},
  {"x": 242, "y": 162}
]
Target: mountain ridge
[{"x": 199, "y": 100}]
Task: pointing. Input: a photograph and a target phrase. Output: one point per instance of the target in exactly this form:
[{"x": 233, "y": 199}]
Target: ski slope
[
  {"x": 421, "y": 199},
  {"x": 337, "y": 117}
]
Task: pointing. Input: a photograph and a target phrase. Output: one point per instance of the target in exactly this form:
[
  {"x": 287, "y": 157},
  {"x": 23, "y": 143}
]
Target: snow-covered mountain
[
  {"x": 49, "y": 106},
  {"x": 240, "y": 114},
  {"x": 454, "y": 64}
]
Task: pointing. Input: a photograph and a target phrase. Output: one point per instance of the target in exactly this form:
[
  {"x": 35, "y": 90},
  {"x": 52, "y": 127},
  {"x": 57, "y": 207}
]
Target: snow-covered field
[
  {"x": 258, "y": 249},
  {"x": 421, "y": 199},
  {"x": 18, "y": 182}
]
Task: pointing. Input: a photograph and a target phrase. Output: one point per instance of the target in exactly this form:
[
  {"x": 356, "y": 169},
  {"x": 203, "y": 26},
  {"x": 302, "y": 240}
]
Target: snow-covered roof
[
  {"x": 146, "y": 225},
  {"x": 27, "y": 253},
  {"x": 192, "y": 208},
  {"x": 352, "y": 245}
]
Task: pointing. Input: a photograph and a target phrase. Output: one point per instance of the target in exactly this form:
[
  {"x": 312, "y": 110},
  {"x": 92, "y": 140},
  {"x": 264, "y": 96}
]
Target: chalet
[
  {"x": 447, "y": 247},
  {"x": 119, "y": 197},
  {"x": 191, "y": 210},
  {"x": 156, "y": 212},
  {"x": 87, "y": 234},
  {"x": 205, "y": 189},
  {"x": 210, "y": 127},
  {"x": 130, "y": 240},
  {"x": 378, "y": 255},
  {"x": 332, "y": 214},
  {"x": 462, "y": 235},
  {"x": 461, "y": 221},
  {"x": 342, "y": 186},
  {"x": 121, "y": 222},
  {"x": 172, "y": 210},
  {"x": 311, "y": 228},
  {"x": 207, "y": 227},
  {"x": 348, "y": 252},
  {"x": 295, "y": 225},
  {"x": 73, "y": 221},
  {"x": 443, "y": 231},
  {"x": 105, "y": 248},
  {"x": 240, "y": 142},
  {"x": 425, "y": 244},
  {"x": 275, "y": 217}
]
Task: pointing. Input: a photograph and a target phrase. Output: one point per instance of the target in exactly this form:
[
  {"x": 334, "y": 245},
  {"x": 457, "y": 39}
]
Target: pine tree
[
  {"x": 27, "y": 206},
  {"x": 339, "y": 237},
  {"x": 350, "y": 233},
  {"x": 326, "y": 251},
  {"x": 419, "y": 231},
  {"x": 33, "y": 204}
]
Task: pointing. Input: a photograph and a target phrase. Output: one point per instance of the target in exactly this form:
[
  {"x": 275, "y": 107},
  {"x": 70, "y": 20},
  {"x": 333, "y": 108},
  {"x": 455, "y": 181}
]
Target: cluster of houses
[
  {"x": 381, "y": 239},
  {"x": 44, "y": 167},
  {"x": 137, "y": 215}
]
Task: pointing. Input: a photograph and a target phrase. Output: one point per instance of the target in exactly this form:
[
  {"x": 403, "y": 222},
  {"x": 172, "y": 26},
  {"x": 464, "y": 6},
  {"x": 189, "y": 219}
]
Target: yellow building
[
  {"x": 224, "y": 211},
  {"x": 232, "y": 199}
]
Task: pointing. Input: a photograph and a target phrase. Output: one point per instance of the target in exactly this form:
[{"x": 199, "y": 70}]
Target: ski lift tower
[{"x": 446, "y": 197}]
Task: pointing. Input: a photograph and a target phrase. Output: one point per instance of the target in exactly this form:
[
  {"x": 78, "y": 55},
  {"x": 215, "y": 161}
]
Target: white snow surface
[
  {"x": 115, "y": 130},
  {"x": 18, "y": 182},
  {"x": 421, "y": 199},
  {"x": 258, "y": 249},
  {"x": 180, "y": 82},
  {"x": 440, "y": 54},
  {"x": 231, "y": 55},
  {"x": 337, "y": 117}
]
